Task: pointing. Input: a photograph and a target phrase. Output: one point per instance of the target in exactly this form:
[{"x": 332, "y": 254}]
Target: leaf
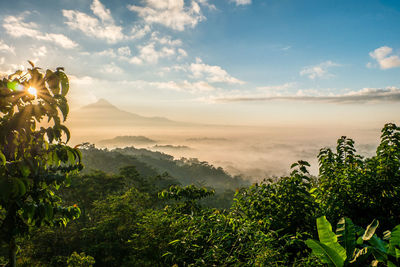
[
  {"x": 394, "y": 240},
  {"x": 3, "y": 159},
  {"x": 328, "y": 237},
  {"x": 378, "y": 244},
  {"x": 64, "y": 82},
  {"x": 173, "y": 242},
  {"x": 325, "y": 254},
  {"x": 361, "y": 256},
  {"x": 21, "y": 187},
  {"x": 370, "y": 231},
  {"x": 66, "y": 131},
  {"x": 25, "y": 171},
  {"x": 31, "y": 63},
  {"x": 346, "y": 235}
]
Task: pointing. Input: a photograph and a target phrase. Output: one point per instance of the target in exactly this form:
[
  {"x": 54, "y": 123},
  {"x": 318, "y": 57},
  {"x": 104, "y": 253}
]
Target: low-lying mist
[{"x": 254, "y": 152}]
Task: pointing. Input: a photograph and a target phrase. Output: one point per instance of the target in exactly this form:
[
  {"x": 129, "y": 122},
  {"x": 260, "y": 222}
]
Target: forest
[{"x": 84, "y": 206}]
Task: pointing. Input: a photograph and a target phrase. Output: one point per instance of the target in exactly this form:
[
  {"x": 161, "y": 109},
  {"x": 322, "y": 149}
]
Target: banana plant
[{"x": 353, "y": 246}]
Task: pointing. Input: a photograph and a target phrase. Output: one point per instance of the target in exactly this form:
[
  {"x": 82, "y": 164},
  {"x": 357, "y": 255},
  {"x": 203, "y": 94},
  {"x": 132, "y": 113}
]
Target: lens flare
[{"x": 32, "y": 91}]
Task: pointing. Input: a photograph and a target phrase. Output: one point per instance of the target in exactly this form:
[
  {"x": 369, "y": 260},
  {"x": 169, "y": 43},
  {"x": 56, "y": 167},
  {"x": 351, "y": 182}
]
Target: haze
[{"x": 251, "y": 86}]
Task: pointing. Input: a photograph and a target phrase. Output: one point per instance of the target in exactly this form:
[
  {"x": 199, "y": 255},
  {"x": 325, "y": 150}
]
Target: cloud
[
  {"x": 158, "y": 47},
  {"x": 108, "y": 53},
  {"x": 100, "y": 11},
  {"x": 39, "y": 52},
  {"x": 139, "y": 32},
  {"x": 276, "y": 87},
  {"x": 318, "y": 71},
  {"x": 212, "y": 74},
  {"x": 111, "y": 69},
  {"x": 6, "y": 48},
  {"x": 124, "y": 51},
  {"x": 185, "y": 86},
  {"x": 102, "y": 27},
  {"x": 150, "y": 54},
  {"x": 388, "y": 94},
  {"x": 165, "y": 40},
  {"x": 384, "y": 59},
  {"x": 241, "y": 2},
  {"x": 16, "y": 27},
  {"x": 173, "y": 14}
]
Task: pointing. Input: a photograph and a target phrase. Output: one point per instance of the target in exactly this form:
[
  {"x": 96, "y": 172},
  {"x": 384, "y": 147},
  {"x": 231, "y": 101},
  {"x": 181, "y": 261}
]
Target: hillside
[{"x": 149, "y": 163}]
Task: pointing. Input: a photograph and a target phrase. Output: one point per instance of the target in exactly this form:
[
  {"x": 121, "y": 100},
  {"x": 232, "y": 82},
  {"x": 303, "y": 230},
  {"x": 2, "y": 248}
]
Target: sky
[{"x": 245, "y": 62}]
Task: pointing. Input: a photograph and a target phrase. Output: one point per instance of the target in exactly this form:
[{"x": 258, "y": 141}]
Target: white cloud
[
  {"x": 212, "y": 74},
  {"x": 111, "y": 69},
  {"x": 384, "y": 58},
  {"x": 173, "y": 14},
  {"x": 100, "y": 11},
  {"x": 102, "y": 27},
  {"x": 318, "y": 71},
  {"x": 139, "y": 32},
  {"x": 165, "y": 40},
  {"x": 108, "y": 53},
  {"x": 2, "y": 60},
  {"x": 373, "y": 95},
  {"x": 241, "y": 2},
  {"x": 206, "y": 4},
  {"x": 182, "y": 53},
  {"x": 124, "y": 51},
  {"x": 185, "y": 86},
  {"x": 39, "y": 52},
  {"x": 15, "y": 27},
  {"x": 150, "y": 54},
  {"x": 6, "y": 48},
  {"x": 279, "y": 87}
]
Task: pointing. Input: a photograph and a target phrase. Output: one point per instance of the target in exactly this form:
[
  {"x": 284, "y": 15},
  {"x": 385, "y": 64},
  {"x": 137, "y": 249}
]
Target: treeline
[{"x": 137, "y": 217}]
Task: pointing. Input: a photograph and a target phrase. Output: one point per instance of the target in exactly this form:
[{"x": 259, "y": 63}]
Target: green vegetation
[
  {"x": 34, "y": 162},
  {"x": 143, "y": 208},
  {"x": 354, "y": 246}
]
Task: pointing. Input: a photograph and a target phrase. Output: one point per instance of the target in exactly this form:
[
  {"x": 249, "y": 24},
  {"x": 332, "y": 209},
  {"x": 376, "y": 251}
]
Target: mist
[{"x": 255, "y": 152}]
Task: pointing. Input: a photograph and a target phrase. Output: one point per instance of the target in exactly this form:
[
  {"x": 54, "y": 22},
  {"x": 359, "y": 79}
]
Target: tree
[{"x": 34, "y": 158}]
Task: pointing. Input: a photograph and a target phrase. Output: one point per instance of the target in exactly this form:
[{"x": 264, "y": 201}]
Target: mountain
[
  {"x": 104, "y": 112},
  {"x": 102, "y": 120},
  {"x": 127, "y": 140}
]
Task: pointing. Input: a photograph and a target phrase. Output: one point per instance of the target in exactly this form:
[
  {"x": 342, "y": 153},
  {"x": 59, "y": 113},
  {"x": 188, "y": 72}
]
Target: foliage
[
  {"x": 80, "y": 260},
  {"x": 276, "y": 204},
  {"x": 351, "y": 186},
  {"x": 353, "y": 246},
  {"x": 150, "y": 163},
  {"x": 35, "y": 161},
  {"x": 144, "y": 208},
  {"x": 190, "y": 196}
]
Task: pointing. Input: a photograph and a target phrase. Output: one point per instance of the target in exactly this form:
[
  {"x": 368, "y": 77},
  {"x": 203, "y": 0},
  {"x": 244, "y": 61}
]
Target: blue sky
[{"x": 238, "y": 61}]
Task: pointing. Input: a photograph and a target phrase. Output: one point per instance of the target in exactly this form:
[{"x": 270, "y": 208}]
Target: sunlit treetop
[{"x": 34, "y": 158}]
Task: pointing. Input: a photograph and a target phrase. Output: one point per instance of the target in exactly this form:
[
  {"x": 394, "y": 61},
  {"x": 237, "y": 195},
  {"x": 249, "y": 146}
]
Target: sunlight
[{"x": 32, "y": 91}]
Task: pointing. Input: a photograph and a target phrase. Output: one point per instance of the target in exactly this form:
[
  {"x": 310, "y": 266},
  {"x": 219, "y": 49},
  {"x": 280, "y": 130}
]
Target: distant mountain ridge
[
  {"x": 127, "y": 140},
  {"x": 104, "y": 114}
]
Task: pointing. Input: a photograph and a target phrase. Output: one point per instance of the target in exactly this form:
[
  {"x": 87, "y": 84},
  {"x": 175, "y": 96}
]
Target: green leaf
[
  {"x": 3, "y": 159},
  {"x": 394, "y": 240},
  {"x": 66, "y": 131},
  {"x": 25, "y": 171},
  {"x": 346, "y": 235},
  {"x": 361, "y": 256},
  {"x": 64, "y": 82},
  {"x": 173, "y": 242},
  {"x": 325, "y": 254},
  {"x": 370, "y": 231},
  {"x": 328, "y": 237}
]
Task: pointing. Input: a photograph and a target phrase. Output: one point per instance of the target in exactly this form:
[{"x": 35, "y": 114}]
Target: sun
[{"x": 32, "y": 91}]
